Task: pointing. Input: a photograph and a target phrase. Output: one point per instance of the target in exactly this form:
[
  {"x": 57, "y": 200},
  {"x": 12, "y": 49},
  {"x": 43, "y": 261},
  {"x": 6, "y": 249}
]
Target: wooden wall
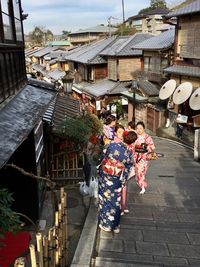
[
  {"x": 100, "y": 72},
  {"x": 126, "y": 66},
  {"x": 112, "y": 69},
  {"x": 189, "y": 37}
]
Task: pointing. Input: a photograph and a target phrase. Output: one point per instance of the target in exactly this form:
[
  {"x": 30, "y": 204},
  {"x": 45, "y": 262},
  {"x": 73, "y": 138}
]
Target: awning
[{"x": 20, "y": 115}]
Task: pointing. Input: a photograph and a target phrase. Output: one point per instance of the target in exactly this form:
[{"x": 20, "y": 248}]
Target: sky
[{"x": 72, "y": 15}]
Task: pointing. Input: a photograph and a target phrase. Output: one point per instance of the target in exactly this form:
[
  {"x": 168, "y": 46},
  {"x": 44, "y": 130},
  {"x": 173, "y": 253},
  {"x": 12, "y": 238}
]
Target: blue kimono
[{"x": 116, "y": 162}]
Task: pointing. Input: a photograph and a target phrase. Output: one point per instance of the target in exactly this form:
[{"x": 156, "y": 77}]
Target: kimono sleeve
[{"x": 128, "y": 163}]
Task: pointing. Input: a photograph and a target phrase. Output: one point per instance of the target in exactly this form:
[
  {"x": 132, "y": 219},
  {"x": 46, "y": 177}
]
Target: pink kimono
[{"x": 140, "y": 160}]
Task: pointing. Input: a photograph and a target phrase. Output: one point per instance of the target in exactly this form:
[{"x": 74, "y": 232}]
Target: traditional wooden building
[
  {"x": 22, "y": 105},
  {"x": 157, "y": 54},
  {"x": 122, "y": 60},
  {"x": 87, "y": 62},
  {"x": 186, "y": 65},
  {"x": 89, "y": 35}
]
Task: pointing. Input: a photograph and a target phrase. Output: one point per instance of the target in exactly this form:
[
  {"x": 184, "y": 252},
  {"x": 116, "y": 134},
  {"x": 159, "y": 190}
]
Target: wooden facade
[
  {"x": 154, "y": 62},
  {"x": 189, "y": 37},
  {"x": 122, "y": 69},
  {"x": 153, "y": 118}
]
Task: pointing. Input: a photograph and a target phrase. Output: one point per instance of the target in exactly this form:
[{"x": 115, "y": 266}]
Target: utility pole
[{"x": 123, "y": 11}]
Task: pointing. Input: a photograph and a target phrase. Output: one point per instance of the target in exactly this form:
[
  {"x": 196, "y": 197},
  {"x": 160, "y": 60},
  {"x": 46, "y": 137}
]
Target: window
[{"x": 11, "y": 31}]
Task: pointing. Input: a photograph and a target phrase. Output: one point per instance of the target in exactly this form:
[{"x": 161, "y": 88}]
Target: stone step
[{"x": 110, "y": 259}]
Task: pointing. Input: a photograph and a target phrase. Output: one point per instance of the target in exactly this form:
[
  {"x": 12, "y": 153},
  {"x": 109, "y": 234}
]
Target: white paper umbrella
[
  {"x": 194, "y": 101},
  {"x": 167, "y": 89},
  {"x": 182, "y": 93}
]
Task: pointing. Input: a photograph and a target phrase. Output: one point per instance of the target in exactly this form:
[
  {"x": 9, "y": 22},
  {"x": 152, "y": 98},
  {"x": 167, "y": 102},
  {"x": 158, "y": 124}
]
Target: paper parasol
[
  {"x": 167, "y": 89},
  {"x": 182, "y": 93},
  {"x": 194, "y": 101}
]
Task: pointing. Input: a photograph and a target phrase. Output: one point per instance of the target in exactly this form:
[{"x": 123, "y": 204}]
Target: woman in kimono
[
  {"x": 116, "y": 161},
  {"x": 109, "y": 129},
  {"x": 144, "y": 142}
]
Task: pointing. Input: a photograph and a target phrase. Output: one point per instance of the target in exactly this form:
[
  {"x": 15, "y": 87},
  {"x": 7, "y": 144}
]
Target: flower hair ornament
[{"x": 125, "y": 133}]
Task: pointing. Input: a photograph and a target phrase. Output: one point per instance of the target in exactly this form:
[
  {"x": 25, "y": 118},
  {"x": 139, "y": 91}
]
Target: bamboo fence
[{"x": 51, "y": 250}]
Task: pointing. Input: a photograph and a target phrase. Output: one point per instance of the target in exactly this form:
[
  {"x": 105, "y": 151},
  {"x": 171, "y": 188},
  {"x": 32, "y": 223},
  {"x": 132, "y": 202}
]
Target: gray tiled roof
[
  {"x": 148, "y": 88},
  {"x": 122, "y": 45},
  {"x": 44, "y": 51},
  {"x": 183, "y": 70},
  {"x": 118, "y": 88},
  {"x": 191, "y": 8},
  {"x": 89, "y": 54},
  {"x": 157, "y": 11},
  {"x": 19, "y": 116},
  {"x": 159, "y": 42},
  {"x": 56, "y": 74},
  {"x": 29, "y": 52},
  {"x": 99, "y": 28},
  {"x": 99, "y": 88},
  {"x": 60, "y": 108},
  {"x": 39, "y": 68}
]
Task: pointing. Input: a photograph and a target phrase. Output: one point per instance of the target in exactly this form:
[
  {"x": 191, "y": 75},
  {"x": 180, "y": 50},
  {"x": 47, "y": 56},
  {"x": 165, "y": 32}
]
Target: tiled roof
[
  {"x": 60, "y": 108},
  {"x": 183, "y": 70},
  {"x": 99, "y": 28},
  {"x": 55, "y": 74},
  {"x": 148, "y": 88},
  {"x": 58, "y": 43},
  {"x": 157, "y": 11},
  {"x": 118, "y": 88},
  {"x": 99, "y": 88},
  {"x": 123, "y": 44},
  {"x": 44, "y": 51},
  {"x": 39, "y": 68},
  {"x": 89, "y": 54},
  {"x": 29, "y": 52},
  {"x": 159, "y": 42},
  {"x": 20, "y": 115},
  {"x": 191, "y": 8}
]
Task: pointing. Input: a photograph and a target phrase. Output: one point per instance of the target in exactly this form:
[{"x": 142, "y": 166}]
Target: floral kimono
[
  {"x": 140, "y": 159},
  {"x": 108, "y": 134},
  {"x": 113, "y": 173}
]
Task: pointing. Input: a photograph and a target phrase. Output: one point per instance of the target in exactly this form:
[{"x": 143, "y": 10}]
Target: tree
[
  {"x": 40, "y": 35},
  {"x": 153, "y": 5},
  {"x": 122, "y": 29},
  {"x": 158, "y": 4},
  {"x": 9, "y": 220}
]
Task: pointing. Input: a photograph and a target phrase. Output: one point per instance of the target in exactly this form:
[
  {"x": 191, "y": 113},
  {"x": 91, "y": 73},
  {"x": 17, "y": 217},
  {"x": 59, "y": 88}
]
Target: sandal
[{"x": 104, "y": 228}]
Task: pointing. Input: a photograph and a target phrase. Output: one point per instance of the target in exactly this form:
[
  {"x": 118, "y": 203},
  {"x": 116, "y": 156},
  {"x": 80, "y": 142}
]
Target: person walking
[
  {"x": 109, "y": 129},
  {"x": 119, "y": 137},
  {"x": 143, "y": 145},
  {"x": 116, "y": 161}
]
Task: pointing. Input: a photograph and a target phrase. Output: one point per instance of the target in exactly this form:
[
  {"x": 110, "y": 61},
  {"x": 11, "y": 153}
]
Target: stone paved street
[{"x": 163, "y": 226}]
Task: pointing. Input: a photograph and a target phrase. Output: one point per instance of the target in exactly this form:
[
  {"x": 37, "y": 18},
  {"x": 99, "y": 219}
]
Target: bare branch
[{"x": 50, "y": 183}]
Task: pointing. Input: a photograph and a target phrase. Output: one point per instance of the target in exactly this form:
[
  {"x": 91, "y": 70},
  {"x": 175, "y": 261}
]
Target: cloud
[{"x": 75, "y": 14}]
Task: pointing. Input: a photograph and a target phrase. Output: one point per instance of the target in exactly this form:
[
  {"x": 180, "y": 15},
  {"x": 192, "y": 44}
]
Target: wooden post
[
  {"x": 40, "y": 249},
  {"x": 51, "y": 248},
  {"x": 32, "y": 255},
  {"x": 45, "y": 254},
  {"x": 20, "y": 262}
]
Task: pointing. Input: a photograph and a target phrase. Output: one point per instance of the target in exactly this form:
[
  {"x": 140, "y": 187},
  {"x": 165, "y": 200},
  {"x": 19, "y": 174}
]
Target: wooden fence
[
  {"x": 67, "y": 166},
  {"x": 51, "y": 250}
]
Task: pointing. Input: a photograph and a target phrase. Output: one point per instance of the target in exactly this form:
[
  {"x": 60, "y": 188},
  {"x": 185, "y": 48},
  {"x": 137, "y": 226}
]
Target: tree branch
[{"x": 51, "y": 184}]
